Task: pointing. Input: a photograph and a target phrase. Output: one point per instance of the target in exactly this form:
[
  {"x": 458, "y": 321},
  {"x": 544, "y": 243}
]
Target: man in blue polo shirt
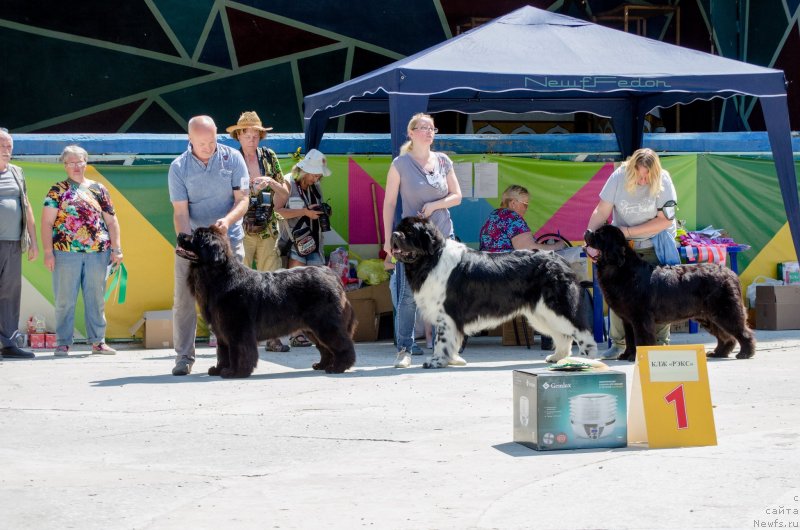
[{"x": 208, "y": 185}]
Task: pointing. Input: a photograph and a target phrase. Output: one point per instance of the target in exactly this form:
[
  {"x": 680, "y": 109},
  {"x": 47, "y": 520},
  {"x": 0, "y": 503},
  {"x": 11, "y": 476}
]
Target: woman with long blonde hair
[
  {"x": 641, "y": 200},
  {"x": 427, "y": 186}
]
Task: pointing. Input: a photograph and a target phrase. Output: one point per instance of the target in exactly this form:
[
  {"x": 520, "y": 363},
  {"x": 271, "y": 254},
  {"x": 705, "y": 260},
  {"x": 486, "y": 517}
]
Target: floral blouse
[
  {"x": 500, "y": 228},
  {"x": 79, "y": 224}
]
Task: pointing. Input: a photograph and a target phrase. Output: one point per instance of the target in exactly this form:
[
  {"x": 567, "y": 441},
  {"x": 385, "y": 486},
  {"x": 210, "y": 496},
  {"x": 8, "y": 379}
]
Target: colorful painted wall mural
[{"x": 740, "y": 195}]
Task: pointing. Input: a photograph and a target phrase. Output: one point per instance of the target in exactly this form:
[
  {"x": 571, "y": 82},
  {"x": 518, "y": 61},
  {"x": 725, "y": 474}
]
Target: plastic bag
[
  {"x": 759, "y": 280},
  {"x": 372, "y": 271},
  {"x": 339, "y": 263}
]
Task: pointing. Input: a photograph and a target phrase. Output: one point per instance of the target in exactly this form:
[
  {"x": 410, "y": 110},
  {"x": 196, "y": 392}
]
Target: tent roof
[{"x": 532, "y": 53}]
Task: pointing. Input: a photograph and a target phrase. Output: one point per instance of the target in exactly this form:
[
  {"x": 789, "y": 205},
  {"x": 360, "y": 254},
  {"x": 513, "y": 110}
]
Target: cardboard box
[
  {"x": 570, "y": 410},
  {"x": 751, "y": 318},
  {"x": 778, "y": 307},
  {"x": 37, "y": 341},
  {"x": 512, "y": 338},
  {"x": 380, "y": 293},
  {"x": 50, "y": 340},
  {"x": 367, "y": 316},
  {"x": 157, "y": 329},
  {"x": 789, "y": 272}
]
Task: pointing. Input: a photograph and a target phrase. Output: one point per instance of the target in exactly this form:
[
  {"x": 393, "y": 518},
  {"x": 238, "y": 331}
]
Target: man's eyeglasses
[
  {"x": 525, "y": 204},
  {"x": 425, "y": 128},
  {"x": 75, "y": 164}
]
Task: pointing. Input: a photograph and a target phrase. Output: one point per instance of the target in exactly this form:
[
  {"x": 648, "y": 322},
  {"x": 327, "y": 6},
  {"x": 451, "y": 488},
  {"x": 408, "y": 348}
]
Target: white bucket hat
[{"x": 315, "y": 163}]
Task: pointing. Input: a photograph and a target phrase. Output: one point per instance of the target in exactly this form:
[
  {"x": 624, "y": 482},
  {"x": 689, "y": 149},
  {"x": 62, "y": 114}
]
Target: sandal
[
  {"x": 300, "y": 341},
  {"x": 276, "y": 345}
]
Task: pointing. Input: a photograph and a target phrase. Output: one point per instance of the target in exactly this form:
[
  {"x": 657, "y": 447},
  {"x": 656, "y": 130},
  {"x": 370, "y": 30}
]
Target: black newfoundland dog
[
  {"x": 644, "y": 296},
  {"x": 244, "y": 306},
  {"x": 461, "y": 290}
]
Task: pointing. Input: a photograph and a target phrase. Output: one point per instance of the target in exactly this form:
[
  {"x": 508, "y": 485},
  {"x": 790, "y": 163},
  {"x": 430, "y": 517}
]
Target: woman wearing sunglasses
[
  {"x": 427, "y": 186},
  {"x": 641, "y": 200}
]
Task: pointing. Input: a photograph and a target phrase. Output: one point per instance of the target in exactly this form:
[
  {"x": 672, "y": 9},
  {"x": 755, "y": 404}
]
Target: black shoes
[{"x": 13, "y": 352}]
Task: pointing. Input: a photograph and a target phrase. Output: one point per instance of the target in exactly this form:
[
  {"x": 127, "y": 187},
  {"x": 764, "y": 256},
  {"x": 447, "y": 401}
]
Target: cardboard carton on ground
[
  {"x": 569, "y": 410},
  {"x": 380, "y": 293},
  {"x": 778, "y": 307},
  {"x": 369, "y": 303},
  {"x": 367, "y": 327},
  {"x": 157, "y": 328}
]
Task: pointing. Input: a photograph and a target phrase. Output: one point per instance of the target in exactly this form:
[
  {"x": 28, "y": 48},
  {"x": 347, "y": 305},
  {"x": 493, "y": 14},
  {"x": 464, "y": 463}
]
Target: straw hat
[
  {"x": 248, "y": 120},
  {"x": 315, "y": 163}
]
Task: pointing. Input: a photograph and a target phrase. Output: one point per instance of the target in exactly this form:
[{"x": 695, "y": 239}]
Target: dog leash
[{"x": 119, "y": 278}]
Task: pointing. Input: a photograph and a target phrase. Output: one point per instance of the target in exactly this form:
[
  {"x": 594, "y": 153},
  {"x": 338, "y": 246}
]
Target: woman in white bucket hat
[{"x": 305, "y": 218}]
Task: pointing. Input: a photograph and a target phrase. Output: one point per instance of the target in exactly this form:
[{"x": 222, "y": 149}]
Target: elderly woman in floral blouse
[
  {"x": 506, "y": 230},
  {"x": 80, "y": 237}
]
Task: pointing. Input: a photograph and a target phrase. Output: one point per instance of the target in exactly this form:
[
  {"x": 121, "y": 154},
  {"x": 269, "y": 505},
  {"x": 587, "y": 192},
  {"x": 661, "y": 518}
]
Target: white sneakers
[{"x": 403, "y": 359}]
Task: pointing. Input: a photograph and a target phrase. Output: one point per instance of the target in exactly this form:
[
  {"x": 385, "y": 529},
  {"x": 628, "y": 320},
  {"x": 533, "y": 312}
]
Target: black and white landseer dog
[
  {"x": 461, "y": 290},
  {"x": 244, "y": 306},
  {"x": 644, "y": 296}
]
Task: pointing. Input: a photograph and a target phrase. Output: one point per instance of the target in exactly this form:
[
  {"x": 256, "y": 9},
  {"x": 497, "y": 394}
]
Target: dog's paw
[
  {"x": 334, "y": 370},
  {"x": 214, "y": 370},
  {"x": 435, "y": 363},
  {"x": 745, "y": 355},
  {"x": 554, "y": 357},
  {"x": 627, "y": 357},
  {"x": 716, "y": 355},
  {"x": 320, "y": 366}
]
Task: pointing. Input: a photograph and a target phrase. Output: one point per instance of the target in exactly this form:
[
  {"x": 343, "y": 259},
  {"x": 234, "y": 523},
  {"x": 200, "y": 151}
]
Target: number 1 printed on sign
[{"x": 677, "y": 397}]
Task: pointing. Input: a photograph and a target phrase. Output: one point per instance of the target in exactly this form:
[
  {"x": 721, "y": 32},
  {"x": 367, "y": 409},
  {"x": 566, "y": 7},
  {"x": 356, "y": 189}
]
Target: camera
[
  {"x": 258, "y": 212},
  {"x": 325, "y": 217}
]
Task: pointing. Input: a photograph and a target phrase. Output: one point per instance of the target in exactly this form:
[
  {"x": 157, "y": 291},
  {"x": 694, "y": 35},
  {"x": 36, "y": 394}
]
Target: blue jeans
[
  {"x": 315, "y": 258},
  {"x": 85, "y": 271},
  {"x": 405, "y": 308}
]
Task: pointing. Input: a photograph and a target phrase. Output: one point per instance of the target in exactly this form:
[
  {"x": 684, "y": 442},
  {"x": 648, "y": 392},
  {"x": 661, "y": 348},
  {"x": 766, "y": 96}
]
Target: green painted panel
[
  {"x": 683, "y": 170},
  {"x": 145, "y": 187},
  {"x": 555, "y": 182},
  {"x": 742, "y": 196}
]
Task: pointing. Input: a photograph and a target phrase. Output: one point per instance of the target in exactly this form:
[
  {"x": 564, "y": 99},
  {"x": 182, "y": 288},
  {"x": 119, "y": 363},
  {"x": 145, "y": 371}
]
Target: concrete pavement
[{"x": 116, "y": 442}]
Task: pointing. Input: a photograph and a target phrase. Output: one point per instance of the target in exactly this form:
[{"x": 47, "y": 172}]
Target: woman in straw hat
[
  {"x": 305, "y": 217},
  {"x": 268, "y": 190}
]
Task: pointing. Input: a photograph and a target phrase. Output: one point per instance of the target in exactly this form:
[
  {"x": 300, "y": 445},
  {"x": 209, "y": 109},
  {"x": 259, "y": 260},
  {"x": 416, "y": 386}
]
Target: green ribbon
[{"x": 119, "y": 278}]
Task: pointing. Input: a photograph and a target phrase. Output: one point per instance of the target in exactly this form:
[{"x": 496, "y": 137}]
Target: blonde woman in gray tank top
[{"x": 427, "y": 186}]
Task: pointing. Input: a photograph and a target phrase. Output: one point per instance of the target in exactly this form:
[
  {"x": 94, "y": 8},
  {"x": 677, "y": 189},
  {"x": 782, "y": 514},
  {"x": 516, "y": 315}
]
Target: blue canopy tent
[{"x": 535, "y": 60}]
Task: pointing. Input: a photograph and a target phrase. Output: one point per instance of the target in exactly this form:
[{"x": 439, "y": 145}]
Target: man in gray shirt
[
  {"x": 17, "y": 235},
  {"x": 208, "y": 185}
]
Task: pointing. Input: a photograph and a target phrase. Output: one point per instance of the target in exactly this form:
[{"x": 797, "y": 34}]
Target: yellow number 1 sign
[{"x": 670, "y": 402}]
